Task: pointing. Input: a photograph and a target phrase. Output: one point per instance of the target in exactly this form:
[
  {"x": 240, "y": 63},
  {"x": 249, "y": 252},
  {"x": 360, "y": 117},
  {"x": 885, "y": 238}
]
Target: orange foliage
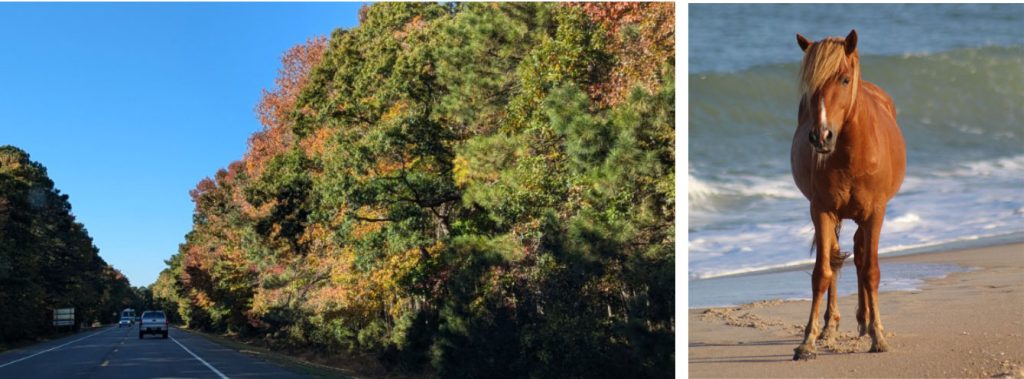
[
  {"x": 317, "y": 143},
  {"x": 387, "y": 166},
  {"x": 202, "y": 300},
  {"x": 296, "y": 63},
  {"x": 203, "y": 187},
  {"x": 416, "y": 23},
  {"x": 275, "y": 108},
  {"x": 639, "y": 59},
  {"x": 366, "y": 227},
  {"x": 336, "y": 292},
  {"x": 215, "y": 254},
  {"x": 327, "y": 298}
]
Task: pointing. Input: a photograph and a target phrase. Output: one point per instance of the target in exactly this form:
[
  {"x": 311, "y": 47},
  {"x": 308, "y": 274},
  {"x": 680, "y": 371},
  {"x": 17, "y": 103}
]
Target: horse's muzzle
[{"x": 823, "y": 140}]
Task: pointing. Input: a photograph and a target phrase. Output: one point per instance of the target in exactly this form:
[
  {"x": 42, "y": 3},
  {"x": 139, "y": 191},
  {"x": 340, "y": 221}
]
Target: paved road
[{"x": 114, "y": 352}]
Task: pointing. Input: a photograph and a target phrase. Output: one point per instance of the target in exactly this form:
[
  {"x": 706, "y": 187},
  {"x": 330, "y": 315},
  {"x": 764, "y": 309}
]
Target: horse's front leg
[
  {"x": 832, "y": 311},
  {"x": 821, "y": 279}
]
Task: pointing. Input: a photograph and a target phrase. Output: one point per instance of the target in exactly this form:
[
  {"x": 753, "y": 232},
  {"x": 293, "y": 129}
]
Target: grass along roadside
[{"x": 303, "y": 365}]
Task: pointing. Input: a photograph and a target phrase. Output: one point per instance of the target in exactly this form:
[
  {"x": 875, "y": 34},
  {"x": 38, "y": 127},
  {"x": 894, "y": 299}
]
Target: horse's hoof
[
  {"x": 829, "y": 334},
  {"x": 879, "y": 347},
  {"x": 803, "y": 354},
  {"x": 829, "y": 343},
  {"x": 827, "y": 339}
]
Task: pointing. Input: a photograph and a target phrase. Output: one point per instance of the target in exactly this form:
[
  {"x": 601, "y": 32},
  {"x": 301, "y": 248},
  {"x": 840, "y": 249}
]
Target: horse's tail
[
  {"x": 839, "y": 228},
  {"x": 836, "y": 261},
  {"x": 836, "y": 258}
]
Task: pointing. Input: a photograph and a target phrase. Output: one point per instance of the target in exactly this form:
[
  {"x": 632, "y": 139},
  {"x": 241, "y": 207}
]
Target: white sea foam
[
  {"x": 775, "y": 188},
  {"x": 973, "y": 201},
  {"x": 699, "y": 190},
  {"x": 704, "y": 193},
  {"x": 902, "y": 223},
  {"x": 1009, "y": 167},
  {"x": 748, "y": 270}
]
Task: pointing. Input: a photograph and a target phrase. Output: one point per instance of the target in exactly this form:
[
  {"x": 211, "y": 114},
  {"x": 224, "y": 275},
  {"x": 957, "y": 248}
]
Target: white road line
[
  {"x": 200, "y": 359},
  {"x": 52, "y": 349}
]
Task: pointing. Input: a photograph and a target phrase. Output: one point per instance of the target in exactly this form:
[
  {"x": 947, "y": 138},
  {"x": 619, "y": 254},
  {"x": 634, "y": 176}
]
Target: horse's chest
[{"x": 842, "y": 193}]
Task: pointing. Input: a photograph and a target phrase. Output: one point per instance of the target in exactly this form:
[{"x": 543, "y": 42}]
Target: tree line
[
  {"x": 47, "y": 259},
  {"x": 456, "y": 189}
]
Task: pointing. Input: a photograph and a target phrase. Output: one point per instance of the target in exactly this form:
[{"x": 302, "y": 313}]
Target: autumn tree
[
  {"x": 467, "y": 189},
  {"x": 277, "y": 105},
  {"x": 641, "y": 41}
]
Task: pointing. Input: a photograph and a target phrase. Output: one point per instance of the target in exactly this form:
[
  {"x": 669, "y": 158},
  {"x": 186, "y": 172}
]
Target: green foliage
[
  {"x": 47, "y": 259},
  {"x": 461, "y": 198}
]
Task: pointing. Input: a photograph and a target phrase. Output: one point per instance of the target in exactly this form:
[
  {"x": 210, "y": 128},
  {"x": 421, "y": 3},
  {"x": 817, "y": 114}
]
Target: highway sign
[{"x": 63, "y": 316}]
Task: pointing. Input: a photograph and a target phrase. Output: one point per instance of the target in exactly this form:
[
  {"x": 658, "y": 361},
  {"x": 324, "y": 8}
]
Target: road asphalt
[{"x": 113, "y": 352}]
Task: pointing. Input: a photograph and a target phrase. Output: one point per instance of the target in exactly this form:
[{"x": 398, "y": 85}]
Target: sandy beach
[{"x": 967, "y": 324}]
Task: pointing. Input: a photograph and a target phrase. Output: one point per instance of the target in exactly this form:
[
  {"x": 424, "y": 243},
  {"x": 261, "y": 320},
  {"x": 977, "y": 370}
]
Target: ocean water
[
  {"x": 956, "y": 74},
  {"x": 796, "y": 285}
]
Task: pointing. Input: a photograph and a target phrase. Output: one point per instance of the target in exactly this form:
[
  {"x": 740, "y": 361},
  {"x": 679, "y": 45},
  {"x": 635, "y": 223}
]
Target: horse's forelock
[{"x": 821, "y": 62}]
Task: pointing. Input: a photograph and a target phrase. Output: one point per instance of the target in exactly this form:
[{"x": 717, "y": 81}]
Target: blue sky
[{"x": 129, "y": 105}]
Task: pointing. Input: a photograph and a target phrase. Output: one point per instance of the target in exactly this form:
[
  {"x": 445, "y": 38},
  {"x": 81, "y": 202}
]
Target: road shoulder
[{"x": 292, "y": 363}]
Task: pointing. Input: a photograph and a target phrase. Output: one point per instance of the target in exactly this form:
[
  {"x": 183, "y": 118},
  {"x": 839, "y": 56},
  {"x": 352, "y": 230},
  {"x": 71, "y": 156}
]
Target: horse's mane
[{"x": 821, "y": 63}]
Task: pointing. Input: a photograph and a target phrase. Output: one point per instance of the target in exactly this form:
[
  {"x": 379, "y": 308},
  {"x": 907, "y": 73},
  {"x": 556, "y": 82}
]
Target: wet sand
[{"x": 967, "y": 324}]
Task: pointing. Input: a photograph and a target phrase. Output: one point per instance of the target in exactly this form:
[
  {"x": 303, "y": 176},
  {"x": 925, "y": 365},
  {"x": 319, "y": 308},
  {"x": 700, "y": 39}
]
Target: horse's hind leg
[
  {"x": 821, "y": 279},
  {"x": 859, "y": 255},
  {"x": 871, "y": 278}
]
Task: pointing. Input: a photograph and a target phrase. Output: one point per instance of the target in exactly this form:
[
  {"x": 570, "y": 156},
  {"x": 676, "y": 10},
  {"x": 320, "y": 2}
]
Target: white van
[{"x": 127, "y": 318}]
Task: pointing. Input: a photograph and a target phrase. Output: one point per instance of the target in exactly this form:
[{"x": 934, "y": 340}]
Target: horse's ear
[
  {"x": 851, "y": 41},
  {"x": 803, "y": 42}
]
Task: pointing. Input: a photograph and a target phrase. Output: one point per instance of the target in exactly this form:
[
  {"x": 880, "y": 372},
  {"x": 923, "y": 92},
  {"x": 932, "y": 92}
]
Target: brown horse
[{"x": 848, "y": 159}]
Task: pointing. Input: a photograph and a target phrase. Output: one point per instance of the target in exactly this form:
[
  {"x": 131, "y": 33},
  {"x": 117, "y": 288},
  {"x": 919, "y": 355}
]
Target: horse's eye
[{"x": 846, "y": 81}]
